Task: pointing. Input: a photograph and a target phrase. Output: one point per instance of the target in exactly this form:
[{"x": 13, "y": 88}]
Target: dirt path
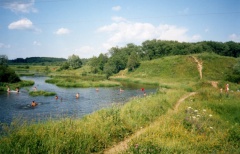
[
  {"x": 199, "y": 66},
  {"x": 120, "y": 147}
]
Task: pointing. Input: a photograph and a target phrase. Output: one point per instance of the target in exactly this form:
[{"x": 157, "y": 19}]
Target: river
[{"x": 17, "y": 105}]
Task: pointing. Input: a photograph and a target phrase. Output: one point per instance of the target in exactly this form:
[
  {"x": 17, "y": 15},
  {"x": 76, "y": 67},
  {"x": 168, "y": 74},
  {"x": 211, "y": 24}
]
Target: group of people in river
[
  {"x": 9, "y": 90},
  {"x": 34, "y": 104}
]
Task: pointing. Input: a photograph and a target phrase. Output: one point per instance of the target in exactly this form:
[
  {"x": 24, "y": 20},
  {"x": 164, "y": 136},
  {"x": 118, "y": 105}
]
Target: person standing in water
[
  {"x": 17, "y": 89},
  {"x": 35, "y": 88},
  {"x": 8, "y": 89},
  {"x": 77, "y": 95}
]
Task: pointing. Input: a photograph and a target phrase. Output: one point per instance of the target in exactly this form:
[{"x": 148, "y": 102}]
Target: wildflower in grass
[
  {"x": 211, "y": 127},
  {"x": 204, "y": 110},
  {"x": 193, "y": 117},
  {"x": 198, "y": 115},
  {"x": 195, "y": 110},
  {"x": 136, "y": 146},
  {"x": 189, "y": 107},
  {"x": 210, "y": 115}
]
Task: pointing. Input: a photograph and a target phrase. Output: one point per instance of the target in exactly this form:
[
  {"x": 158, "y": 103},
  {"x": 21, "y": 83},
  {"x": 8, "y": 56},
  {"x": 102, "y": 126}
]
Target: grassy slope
[{"x": 172, "y": 132}]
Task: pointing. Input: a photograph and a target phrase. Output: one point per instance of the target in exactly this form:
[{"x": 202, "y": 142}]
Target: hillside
[{"x": 184, "y": 67}]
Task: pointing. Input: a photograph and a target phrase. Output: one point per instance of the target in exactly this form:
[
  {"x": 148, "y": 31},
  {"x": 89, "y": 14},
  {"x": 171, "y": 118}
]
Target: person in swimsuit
[{"x": 33, "y": 104}]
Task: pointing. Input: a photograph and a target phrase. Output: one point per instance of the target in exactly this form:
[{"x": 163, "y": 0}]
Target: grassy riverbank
[{"x": 13, "y": 86}]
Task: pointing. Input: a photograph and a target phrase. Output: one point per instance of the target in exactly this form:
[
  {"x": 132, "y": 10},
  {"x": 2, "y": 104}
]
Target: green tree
[
  {"x": 133, "y": 61},
  {"x": 110, "y": 68},
  {"x": 74, "y": 61},
  {"x": 3, "y": 60},
  {"x": 6, "y": 73}
]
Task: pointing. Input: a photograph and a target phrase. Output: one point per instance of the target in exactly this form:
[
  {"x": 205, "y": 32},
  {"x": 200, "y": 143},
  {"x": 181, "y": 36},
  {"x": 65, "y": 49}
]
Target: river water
[{"x": 17, "y": 105}]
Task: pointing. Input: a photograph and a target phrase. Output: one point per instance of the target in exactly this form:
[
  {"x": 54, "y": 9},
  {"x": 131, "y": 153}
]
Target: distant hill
[
  {"x": 214, "y": 67},
  {"x": 36, "y": 60}
]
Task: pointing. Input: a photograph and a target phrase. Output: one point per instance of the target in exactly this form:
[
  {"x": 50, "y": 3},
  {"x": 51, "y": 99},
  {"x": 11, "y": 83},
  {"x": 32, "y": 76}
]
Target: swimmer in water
[
  {"x": 77, "y": 95},
  {"x": 8, "y": 89},
  {"x": 35, "y": 88},
  {"x": 56, "y": 97},
  {"x": 17, "y": 90},
  {"x": 34, "y": 104}
]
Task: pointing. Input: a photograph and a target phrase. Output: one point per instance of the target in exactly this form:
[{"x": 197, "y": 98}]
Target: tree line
[{"x": 31, "y": 60}]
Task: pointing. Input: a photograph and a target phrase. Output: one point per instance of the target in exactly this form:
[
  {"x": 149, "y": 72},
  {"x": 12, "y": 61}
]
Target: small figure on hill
[
  {"x": 221, "y": 90},
  {"x": 34, "y": 104},
  {"x": 77, "y": 95},
  {"x": 227, "y": 88}
]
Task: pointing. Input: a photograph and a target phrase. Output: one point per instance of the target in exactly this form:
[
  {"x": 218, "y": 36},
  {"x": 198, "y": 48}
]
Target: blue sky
[{"x": 60, "y": 28}]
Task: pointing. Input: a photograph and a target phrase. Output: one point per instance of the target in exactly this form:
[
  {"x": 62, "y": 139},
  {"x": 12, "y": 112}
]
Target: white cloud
[
  {"x": 2, "y": 45},
  {"x": 116, "y": 8},
  {"x": 23, "y": 24},
  {"x": 37, "y": 43},
  {"x": 62, "y": 31},
  {"x": 85, "y": 51},
  {"x": 196, "y": 37},
  {"x": 128, "y": 32},
  {"x": 21, "y": 6},
  {"x": 118, "y": 19},
  {"x": 234, "y": 37}
]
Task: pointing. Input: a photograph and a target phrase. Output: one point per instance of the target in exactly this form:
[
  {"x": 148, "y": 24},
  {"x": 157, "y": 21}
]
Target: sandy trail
[
  {"x": 122, "y": 146},
  {"x": 199, "y": 66}
]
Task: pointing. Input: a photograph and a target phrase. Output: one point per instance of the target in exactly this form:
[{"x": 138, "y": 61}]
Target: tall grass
[{"x": 200, "y": 126}]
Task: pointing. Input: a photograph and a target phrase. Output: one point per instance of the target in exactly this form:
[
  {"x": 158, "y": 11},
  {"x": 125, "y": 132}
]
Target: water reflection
[{"x": 15, "y": 105}]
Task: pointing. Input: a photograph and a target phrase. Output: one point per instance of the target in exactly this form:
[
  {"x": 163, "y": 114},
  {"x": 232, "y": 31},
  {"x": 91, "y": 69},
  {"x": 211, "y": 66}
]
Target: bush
[{"x": 8, "y": 75}]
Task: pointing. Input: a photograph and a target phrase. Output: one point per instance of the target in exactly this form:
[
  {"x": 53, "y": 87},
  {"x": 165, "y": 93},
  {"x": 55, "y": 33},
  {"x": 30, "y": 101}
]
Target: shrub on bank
[{"x": 41, "y": 93}]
